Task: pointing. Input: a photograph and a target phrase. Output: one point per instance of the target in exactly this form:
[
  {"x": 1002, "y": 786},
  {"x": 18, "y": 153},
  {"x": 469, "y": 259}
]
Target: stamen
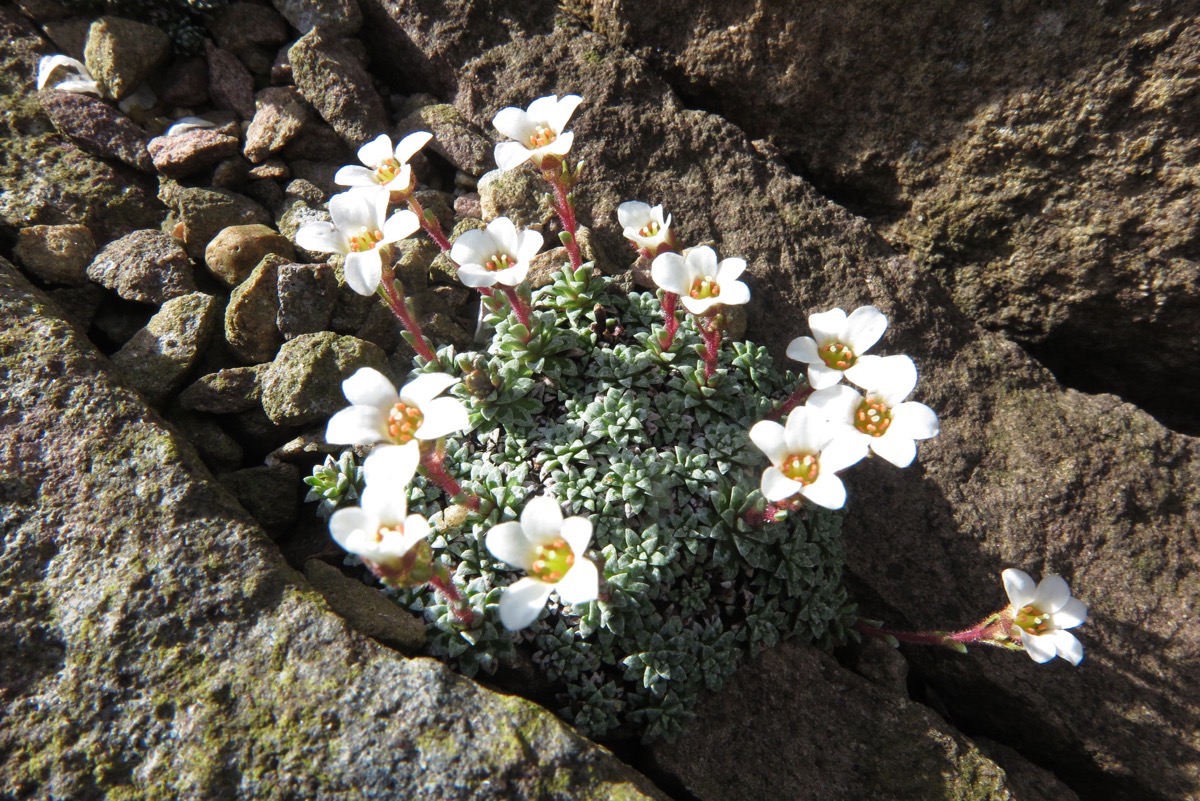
[
  {"x": 498, "y": 262},
  {"x": 542, "y": 137},
  {"x": 403, "y": 422},
  {"x": 552, "y": 561},
  {"x": 706, "y": 287},
  {"x": 649, "y": 229},
  {"x": 872, "y": 417},
  {"x": 1032, "y": 620},
  {"x": 802, "y": 467},
  {"x": 387, "y": 171},
  {"x": 837, "y": 356},
  {"x": 366, "y": 239}
]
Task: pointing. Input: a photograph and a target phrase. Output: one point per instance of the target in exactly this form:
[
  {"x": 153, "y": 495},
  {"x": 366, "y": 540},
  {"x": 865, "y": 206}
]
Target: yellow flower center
[
  {"x": 552, "y": 561},
  {"x": 802, "y": 467},
  {"x": 837, "y": 356},
  {"x": 1032, "y": 620},
  {"x": 387, "y": 171},
  {"x": 542, "y": 137},
  {"x": 872, "y": 417},
  {"x": 649, "y": 229},
  {"x": 403, "y": 422},
  {"x": 366, "y": 239},
  {"x": 706, "y": 287},
  {"x": 501, "y": 261}
]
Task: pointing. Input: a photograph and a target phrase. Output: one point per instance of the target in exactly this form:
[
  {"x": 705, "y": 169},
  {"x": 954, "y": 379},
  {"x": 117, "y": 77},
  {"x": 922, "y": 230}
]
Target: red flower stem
[
  {"x": 711, "y": 332},
  {"x": 565, "y": 210},
  {"x": 983, "y": 632},
  {"x": 430, "y": 224},
  {"x": 395, "y": 301},
  {"x": 519, "y": 307},
  {"x": 798, "y": 396},
  {"x": 670, "y": 321},
  {"x": 433, "y": 461},
  {"x": 442, "y": 582}
]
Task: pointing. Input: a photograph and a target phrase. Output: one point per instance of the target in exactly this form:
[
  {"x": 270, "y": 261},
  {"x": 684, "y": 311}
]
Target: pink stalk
[
  {"x": 442, "y": 582},
  {"x": 712, "y": 343},
  {"x": 434, "y": 464},
  {"x": 984, "y": 631},
  {"x": 519, "y": 307},
  {"x": 430, "y": 224},
  {"x": 566, "y": 214},
  {"x": 798, "y": 396},
  {"x": 670, "y": 321},
  {"x": 396, "y": 302}
]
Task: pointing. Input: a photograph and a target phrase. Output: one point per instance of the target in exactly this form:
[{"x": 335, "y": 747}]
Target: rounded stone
[{"x": 304, "y": 383}]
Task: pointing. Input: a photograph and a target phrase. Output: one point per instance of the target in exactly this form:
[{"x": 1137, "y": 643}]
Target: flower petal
[
  {"x": 321, "y": 237},
  {"x": 581, "y": 584},
  {"x": 560, "y": 146},
  {"x": 473, "y": 275},
  {"x": 1052, "y": 594},
  {"x": 1068, "y": 646},
  {"x": 768, "y": 437},
  {"x": 561, "y": 113},
  {"x": 354, "y": 175},
  {"x": 425, "y": 388},
  {"x": 828, "y": 491},
  {"x": 889, "y": 378},
  {"x": 577, "y": 531},
  {"x": 346, "y": 521},
  {"x": 375, "y": 152},
  {"x": 827, "y": 326},
  {"x": 734, "y": 293},
  {"x": 670, "y": 272},
  {"x": 443, "y": 416},
  {"x": 699, "y": 306},
  {"x": 386, "y": 500},
  {"x": 515, "y": 124},
  {"x": 864, "y": 327},
  {"x": 806, "y": 431},
  {"x": 392, "y": 465},
  {"x": 354, "y": 209},
  {"x": 776, "y": 486},
  {"x": 416, "y": 528},
  {"x": 915, "y": 420},
  {"x": 476, "y": 247},
  {"x": 542, "y": 519},
  {"x": 510, "y": 155},
  {"x": 803, "y": 349},
  {"x": 836, "y": 404},
  {"x": 633, "y": 214},
  {"x": 400, "y": 225},
  {"x": 1019, "y": 587},
  {"x": 522, "y": 602},
  {"x": 507, "y": 542},
  {"x": 895, "y": 447},
  {"x": 701, "y": 261},
  {"x": 356, "y": 425},
  {"x": 843, "y": 451},
  {"x": 529, "y": 242},
  {"x": 821, "y": 376},
  {"x": 512, "y": 276},
  {"x": 504, "y": 233},
  {"x": 729, "y": 270},
  {"x": 369, "y": 387},
  {"x": 1071, "y": 615},
  {"x": 364, "y": 271},
  {"x": 410, "y": 145},
  {"x": 1041, "y": 649}
]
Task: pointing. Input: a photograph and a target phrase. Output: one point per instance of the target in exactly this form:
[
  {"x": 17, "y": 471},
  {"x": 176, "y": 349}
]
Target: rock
[
  {"x": 146, "y": 266},
  {"x": 991, "y": 169},
  {"x": 185, "y": 83},
  {"x": 220, "y": 452},
  {"x": 190, "y": 152},
  {"x": 332, "y": 17},
  {"x": 57, "y": 254},
  {"x": 230, "y": 84},
  {"x": 233, "y": 389},
  {"x": 121, "y": 54},
  {"x": 203, "y": 213},
  {"x": 454, "y": 137},
  {"x": 331, "y": 77},
  {"x": 319, "y": 142},
  {"x": 856, "y": 741},
  {"x": 271, "y": 493},
  {"x": 234, "y": 253},
  {"x": 97, "y": 127},
  {"x": 519, "y": 195},
  {"x": 279, "y": 117},
  {"x": 307, "y": 294},
  {"x": 157, "y": 358},
  {"x": 304, "y": 383},
  {"x": 137, "y": 598},
  {"x": 273, "y": 170},
  {"x": 366, "y": 610},
  {"x": 79, "y": 304},
  {"x": 250, "y": 317},
  {"x": 318, "y": 174},
  {"x": 245, "y": 26}
]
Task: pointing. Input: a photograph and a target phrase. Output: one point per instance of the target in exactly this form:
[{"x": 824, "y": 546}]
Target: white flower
[
  {"x": 1042, "y": 613},
  {"x": 551, "y": 550},
  {"x": 839, "y": 342},
  {"x": 882, "y": 419},
  {"x": 699, "y": 281},
  {"x": 496, "y": 254},
  {"x": 378, "y": 413},
  {"x": 360, "y": 226},
  {"x": 78, "y": 78},
  {"x": 385, "y": 167},
  {"x": 644, "y": 225},
  {"x": 380, "y": 530},
  {"x": 537, "y": 131},
  {"x": 804, "y": 458}
]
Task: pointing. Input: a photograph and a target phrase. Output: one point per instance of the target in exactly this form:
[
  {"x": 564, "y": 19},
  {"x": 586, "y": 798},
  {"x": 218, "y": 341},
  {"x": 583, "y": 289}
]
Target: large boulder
[{"x": 156, "y": 645}]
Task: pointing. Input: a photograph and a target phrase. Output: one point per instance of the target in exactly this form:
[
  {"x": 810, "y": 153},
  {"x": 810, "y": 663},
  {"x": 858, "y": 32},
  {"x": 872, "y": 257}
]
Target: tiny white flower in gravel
[
  {"x": 380, "y": 530},
  {"x": 837, "y": 343},
  {"x": 360, "y": 227},
  {"x": 537, "y": 131},
  {"x": 498, "y": 254},
  {"x": 378, "y": 413},
  {"x": 551, "y": 550},
  {"x": 644, "y": 225},
  {"x": 804, "y": 456},
  {"x": 1040, "y": 615},
  {"x": 385, "y": 166},
  {"x": 185, "y": 124},
  {"x": 699, "y": 281},
  {"x": 77, "y": 79},
  {"x": 881, "y": 419}
]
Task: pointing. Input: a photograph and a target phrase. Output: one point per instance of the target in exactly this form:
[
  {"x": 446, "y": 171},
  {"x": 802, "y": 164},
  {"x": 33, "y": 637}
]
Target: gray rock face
[
  {"x": 156, "y": 644},
  {"x": 97, "y": 127},
  {"x": 230, "y": 84},
  {"x": 146, "y": 266},
  {"x": 304, "y": 383},
  {"x": 121, "y": 54},
  {"x": 156, "y": 359},
  {"x": 279, "y": 117},
  {"x": 307, "y": 295},
  {"x": 58, "y": 254},
  {"x": 331, "y": 77},
  {"x": 250, "y": 327}
]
